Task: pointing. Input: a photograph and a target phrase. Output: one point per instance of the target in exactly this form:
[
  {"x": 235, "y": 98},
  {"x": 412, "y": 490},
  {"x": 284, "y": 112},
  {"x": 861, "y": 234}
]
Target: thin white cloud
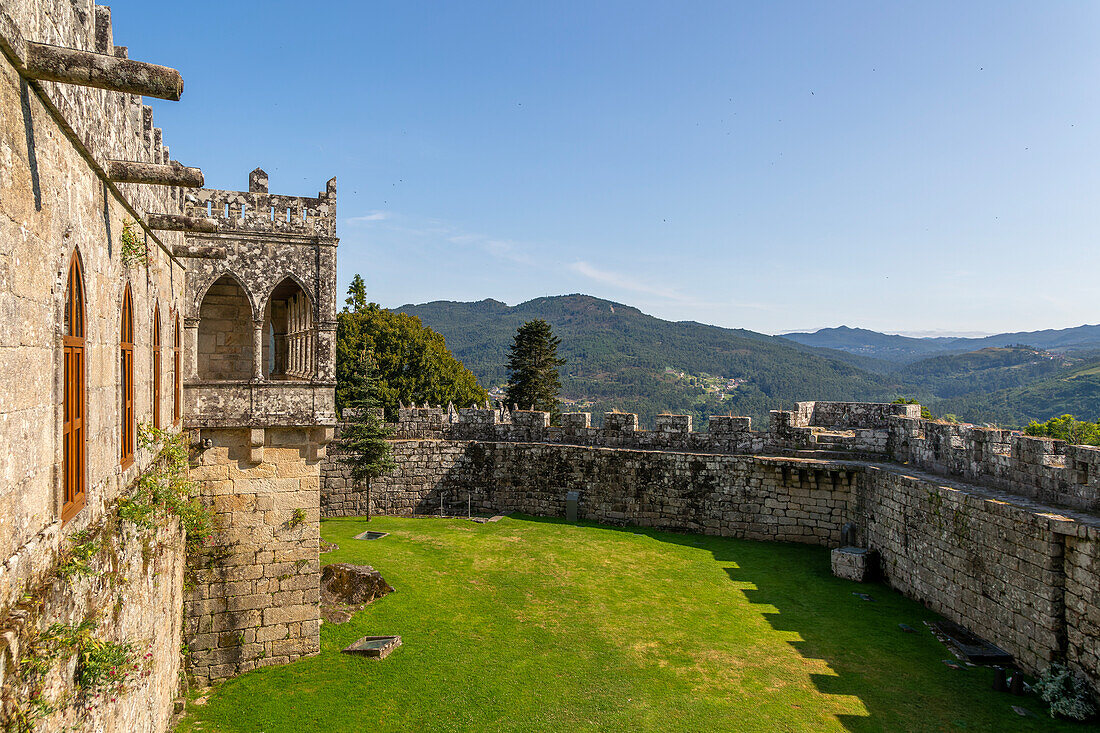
[
  {"x": 625, "y": 282},
  {"x": 502, "y": 249},
  {"x": 672, "y": 295},
  {"x": 372, "y": 216}
]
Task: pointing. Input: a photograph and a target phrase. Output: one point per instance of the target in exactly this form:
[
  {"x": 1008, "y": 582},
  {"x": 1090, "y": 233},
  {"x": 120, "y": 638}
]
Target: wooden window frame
[
  {"x": 156, "y": 366},
  {"x": 177, "y": 377},
  {"x": 126, "y": 361},
  {"x": 74, "y": 402}
]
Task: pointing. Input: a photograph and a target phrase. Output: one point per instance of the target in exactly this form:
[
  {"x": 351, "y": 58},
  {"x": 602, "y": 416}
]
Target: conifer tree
[
  {"x": 533, "y": 380},
  {"x": 364, "y": 445},
  {"x": 357, "y": 295}
]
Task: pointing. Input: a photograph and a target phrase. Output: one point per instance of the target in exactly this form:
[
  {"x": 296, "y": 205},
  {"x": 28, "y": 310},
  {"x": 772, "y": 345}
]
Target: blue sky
[{"x": 772, "y": 166}]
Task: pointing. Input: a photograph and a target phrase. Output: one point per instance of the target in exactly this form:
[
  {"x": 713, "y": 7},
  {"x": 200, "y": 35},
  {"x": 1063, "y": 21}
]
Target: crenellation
[{"x": 260, "y": 211}]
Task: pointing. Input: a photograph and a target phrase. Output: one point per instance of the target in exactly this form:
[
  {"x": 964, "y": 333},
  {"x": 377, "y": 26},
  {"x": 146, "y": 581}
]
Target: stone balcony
[{"x": 258, "y": 404}]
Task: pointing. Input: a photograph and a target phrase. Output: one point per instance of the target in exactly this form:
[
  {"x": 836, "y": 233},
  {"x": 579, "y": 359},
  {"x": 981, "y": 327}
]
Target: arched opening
[
  {"x": 176, "y": 376},
  {"x": 74, "y": 451},
  {"x": 225, "y": 332},
  {"x": 156, "y": 366},
  {"x": 126, "y": 363},
  {"x": 289, "y": 333}
]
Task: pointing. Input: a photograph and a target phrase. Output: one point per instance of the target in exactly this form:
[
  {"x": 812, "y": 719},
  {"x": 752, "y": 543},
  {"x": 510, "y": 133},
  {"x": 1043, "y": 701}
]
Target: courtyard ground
[{"x": 532, "y": 624}]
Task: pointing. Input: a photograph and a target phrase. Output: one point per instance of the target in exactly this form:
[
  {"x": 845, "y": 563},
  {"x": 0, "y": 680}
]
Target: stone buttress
[{"x": 259, "y": 393}]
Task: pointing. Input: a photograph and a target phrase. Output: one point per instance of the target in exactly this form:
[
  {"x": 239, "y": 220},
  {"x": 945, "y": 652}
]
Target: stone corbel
[
  {"x": 319, "y": 438},
  {"x": 256, "y": 445}
]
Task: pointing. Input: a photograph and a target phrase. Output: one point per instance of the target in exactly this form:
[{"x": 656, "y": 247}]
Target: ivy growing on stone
[
  {"x": 1067, "y": 693},
  {"x": 132, "y": 250},
  {"x": 78, "y": 560},
  {"x": 165, "y": 490}
]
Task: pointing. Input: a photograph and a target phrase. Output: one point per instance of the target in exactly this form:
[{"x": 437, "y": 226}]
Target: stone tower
[{"x": 260, "y": 324}]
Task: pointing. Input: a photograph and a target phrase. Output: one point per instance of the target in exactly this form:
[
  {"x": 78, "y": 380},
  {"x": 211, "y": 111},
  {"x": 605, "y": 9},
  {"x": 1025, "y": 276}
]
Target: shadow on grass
[{"x": 899, "y": 677}]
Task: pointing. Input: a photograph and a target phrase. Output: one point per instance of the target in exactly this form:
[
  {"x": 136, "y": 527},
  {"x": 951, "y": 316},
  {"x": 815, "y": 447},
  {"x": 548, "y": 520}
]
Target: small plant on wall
[{"x": 133, "y": 249}]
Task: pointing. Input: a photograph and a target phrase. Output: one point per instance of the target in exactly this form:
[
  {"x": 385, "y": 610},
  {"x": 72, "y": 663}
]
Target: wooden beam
[
  {"x": 157, "y": 174},
  {"x": 199, "y": 253},
  {"x": 70, "y": 66},
  {"x": 181, "y": 223}
]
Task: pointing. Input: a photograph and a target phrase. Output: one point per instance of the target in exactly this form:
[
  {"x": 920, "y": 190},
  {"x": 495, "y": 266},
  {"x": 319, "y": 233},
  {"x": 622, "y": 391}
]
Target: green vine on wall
[
  {"x": 104, "y": 668},
  {"x": 133, "y": 251},
  {"x": 165, "y": 490}
]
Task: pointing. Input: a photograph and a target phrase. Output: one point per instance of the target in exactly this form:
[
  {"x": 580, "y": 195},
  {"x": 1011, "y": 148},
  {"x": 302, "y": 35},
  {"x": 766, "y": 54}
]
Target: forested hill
[
  {"x": 902, "y": 349},
  {"x": 619, "y": 357}
]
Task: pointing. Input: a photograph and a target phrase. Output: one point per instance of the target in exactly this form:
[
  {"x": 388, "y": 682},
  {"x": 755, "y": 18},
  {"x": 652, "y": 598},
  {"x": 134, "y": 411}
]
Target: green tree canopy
[
  {"x": 410, "y": 361},
  {"x": 924, "y": 411},
  {"x": 533, "y": 363},
  {"x": 1067, "y": 428}
]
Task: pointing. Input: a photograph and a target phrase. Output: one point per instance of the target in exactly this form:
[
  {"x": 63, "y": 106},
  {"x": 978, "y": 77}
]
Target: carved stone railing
[
  {"x": 259, "y": 211},
  {"x": 227, "y": 404}
]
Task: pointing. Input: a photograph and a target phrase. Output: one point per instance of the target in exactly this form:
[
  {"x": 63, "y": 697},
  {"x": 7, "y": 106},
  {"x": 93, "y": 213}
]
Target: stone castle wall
[
  {"x": 132, "y": 590},
  {"x": 257, "y": 587},
  {"x": 1017, "y": 571},
  {"x": 1051, "y": 471},
  {"x": 262, "y": 434},
  {"x": 226, "y": 352},
  {"x": 56, "y": 203},
  {"x": 995, "y": 562}
]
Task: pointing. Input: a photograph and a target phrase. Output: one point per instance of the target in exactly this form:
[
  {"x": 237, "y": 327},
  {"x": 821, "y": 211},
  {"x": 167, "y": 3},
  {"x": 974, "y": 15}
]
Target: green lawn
[{"x": 530, "y": 624}]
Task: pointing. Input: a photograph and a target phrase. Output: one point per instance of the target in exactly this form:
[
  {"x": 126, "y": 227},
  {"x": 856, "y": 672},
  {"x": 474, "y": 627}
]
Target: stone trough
[{"x": 968, "y": 646}]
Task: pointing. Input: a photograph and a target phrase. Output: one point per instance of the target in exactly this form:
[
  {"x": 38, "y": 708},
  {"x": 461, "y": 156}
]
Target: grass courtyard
[{"x": 535, "y": 625}]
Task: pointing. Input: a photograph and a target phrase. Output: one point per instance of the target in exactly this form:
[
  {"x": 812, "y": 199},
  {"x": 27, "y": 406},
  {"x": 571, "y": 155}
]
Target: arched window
[
  {"x": 156, "y": 365},
  {"x": 127, "y": 365},
  {"x": 74, "y": 451},
  {"x": 225, "y": 332},
  {"x": 289, "y": 350},
  {"x": 176, "y": 377}
]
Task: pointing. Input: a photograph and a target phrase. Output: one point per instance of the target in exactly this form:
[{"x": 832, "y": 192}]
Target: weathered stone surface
[
  {"x": 171, "y": 173},
  {"x": 853, "y": 563},
  {"x": 344, "y": 583},
  {"x": 56, "y": 205},
  {"x": 102, "y": 71}
]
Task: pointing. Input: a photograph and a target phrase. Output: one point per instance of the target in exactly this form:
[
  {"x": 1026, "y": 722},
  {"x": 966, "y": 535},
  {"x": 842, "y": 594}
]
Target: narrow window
[
  {"x": 176, "y": 376},
  {"x": 156, "y": 366},
  {"x": 127, "y": 366},
  {"x": 74, "y": 451}
]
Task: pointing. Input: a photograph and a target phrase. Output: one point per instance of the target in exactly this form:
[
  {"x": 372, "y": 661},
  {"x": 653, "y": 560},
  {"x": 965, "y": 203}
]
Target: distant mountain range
[
  {"x": 618, "y": 357},
  {"x": 907, "y": 348}
]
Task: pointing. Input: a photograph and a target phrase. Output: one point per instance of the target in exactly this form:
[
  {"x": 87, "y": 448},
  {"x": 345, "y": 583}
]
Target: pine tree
[
  {"x": 357, "y": 295},
  {"x": 364, "y": 445},
  {"x": 533, "y": 368}
]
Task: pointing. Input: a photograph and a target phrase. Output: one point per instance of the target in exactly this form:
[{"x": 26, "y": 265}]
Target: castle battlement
[
  {"x": 1044, "y": 469},
  {"x": 256, "y": 210}
]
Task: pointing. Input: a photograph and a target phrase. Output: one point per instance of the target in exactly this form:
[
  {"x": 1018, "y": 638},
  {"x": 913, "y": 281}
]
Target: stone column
[
  {"x": 191, "y": 348},
  {"x": 258, "y": 350},
  {"x": 324, "y": 352}
]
